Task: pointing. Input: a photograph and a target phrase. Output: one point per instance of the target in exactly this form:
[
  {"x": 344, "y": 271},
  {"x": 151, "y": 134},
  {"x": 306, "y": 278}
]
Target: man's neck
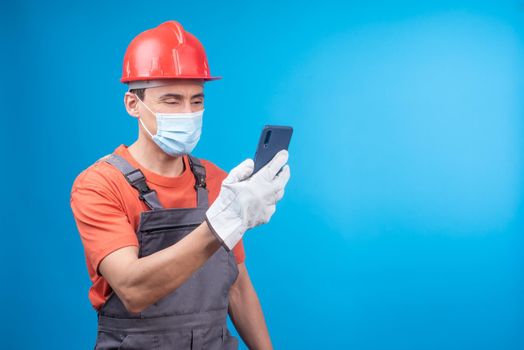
[{"x": 151, "y": 157}]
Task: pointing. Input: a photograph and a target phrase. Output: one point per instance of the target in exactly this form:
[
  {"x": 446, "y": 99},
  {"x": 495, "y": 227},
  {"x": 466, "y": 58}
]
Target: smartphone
[{"x": 273, "y": 139}]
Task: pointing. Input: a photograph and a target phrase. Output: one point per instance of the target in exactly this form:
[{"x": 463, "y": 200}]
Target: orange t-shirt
[{"x": 107, "y": 210}]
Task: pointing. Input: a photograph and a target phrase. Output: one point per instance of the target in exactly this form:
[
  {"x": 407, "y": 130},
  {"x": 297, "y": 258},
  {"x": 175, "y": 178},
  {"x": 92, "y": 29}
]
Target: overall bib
[{"x": 194, "y": 315}]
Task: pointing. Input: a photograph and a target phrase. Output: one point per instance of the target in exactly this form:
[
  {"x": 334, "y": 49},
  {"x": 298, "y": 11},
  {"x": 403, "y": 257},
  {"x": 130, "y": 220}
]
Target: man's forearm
[
  {"x": 247, "y": 316},
  {"x": 150, "y": 278}
]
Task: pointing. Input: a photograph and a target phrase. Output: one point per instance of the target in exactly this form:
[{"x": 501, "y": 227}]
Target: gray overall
[{"x": 194, "y": 315}]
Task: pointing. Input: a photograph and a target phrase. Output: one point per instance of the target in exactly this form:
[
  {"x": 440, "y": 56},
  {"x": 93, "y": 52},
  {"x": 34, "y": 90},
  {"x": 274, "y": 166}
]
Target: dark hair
[{"x": 139, "y": 92}]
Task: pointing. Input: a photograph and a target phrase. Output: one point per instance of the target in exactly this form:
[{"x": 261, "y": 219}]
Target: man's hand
[{"x": 247, "y": 201}]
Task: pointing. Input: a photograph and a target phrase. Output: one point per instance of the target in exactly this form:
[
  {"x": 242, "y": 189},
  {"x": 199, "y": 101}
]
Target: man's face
[{"x": 183, "y": 96}]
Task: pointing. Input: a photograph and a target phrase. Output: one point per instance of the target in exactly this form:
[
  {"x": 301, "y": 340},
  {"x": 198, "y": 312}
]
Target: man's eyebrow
[
  {"x": 178, "y": 96},
  {"x": 171, "y": 95},
  {"x": 198, "y": 95}
]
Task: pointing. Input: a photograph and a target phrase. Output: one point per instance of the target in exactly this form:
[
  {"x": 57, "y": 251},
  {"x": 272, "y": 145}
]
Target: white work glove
[{"x": 245, "y": 202}]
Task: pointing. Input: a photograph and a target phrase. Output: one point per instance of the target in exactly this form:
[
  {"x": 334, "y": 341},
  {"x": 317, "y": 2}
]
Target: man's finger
[
  {"x": 240, "y": 172},
  {"x": 274, "y": 166}
]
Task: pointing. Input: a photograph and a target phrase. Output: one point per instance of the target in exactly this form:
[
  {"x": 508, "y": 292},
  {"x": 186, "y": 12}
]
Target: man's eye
[
  {"x": 197, "y": 102},
  {"x": 171, "y": 102}
]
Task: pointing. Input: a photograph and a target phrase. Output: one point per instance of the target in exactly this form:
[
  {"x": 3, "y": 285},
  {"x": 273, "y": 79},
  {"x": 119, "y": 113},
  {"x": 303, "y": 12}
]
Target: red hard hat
[{"x": 165, "y": 52}]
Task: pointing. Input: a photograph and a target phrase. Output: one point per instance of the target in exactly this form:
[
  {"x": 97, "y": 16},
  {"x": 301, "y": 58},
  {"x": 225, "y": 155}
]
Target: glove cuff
[{"x": 216, "y": 233}]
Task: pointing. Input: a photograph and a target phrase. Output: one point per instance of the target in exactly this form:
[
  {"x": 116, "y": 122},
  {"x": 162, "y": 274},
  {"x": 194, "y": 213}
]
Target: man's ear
[{"x": 131, "y": 103}]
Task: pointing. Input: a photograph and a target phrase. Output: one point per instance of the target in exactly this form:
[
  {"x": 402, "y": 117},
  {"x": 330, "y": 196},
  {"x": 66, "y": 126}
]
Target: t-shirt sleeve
[
  {"x": 238, "y": 251},
  {"x": 101, "y": 221}
]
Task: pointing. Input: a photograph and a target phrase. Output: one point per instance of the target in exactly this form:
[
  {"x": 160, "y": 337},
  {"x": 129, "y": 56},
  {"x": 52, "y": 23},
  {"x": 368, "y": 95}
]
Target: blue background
[{"x": 401, "y": 227}]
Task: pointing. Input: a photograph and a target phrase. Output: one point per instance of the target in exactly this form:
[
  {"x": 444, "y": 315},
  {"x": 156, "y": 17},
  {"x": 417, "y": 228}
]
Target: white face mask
[{"x": 176, "y": 133}]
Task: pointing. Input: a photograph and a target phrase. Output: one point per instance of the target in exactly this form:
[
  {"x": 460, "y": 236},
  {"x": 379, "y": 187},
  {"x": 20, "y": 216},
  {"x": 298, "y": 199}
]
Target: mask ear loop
[
  {"x": 141, "y": 122},
  {"x": 140, "y": 118}
]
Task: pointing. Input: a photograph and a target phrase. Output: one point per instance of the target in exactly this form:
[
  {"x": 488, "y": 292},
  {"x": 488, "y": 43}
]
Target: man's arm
[
  {"x": 141, "y": 282},
  {"x": 246, "y": 313}
]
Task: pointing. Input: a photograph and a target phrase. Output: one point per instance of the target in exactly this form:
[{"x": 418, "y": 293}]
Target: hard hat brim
[{"x": 156, "y": 82}]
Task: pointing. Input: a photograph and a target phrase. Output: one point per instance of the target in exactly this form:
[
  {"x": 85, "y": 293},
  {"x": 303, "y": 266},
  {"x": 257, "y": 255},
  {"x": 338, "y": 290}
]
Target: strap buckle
[
  {"x": 199, "y": 171},
  {"x": 200, "y": 181},
  {"x": 137, "y": 179},
  {"x": 148, "y": 197}
]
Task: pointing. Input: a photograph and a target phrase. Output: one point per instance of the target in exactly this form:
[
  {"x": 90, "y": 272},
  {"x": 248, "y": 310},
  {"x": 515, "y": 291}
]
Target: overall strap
[
  {"x": 199, "y": 171},
  {"x": 136, "y": 178}
]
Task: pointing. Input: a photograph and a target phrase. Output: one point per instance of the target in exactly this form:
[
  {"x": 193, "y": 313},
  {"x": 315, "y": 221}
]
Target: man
[{"x": 162, "y": 230}]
